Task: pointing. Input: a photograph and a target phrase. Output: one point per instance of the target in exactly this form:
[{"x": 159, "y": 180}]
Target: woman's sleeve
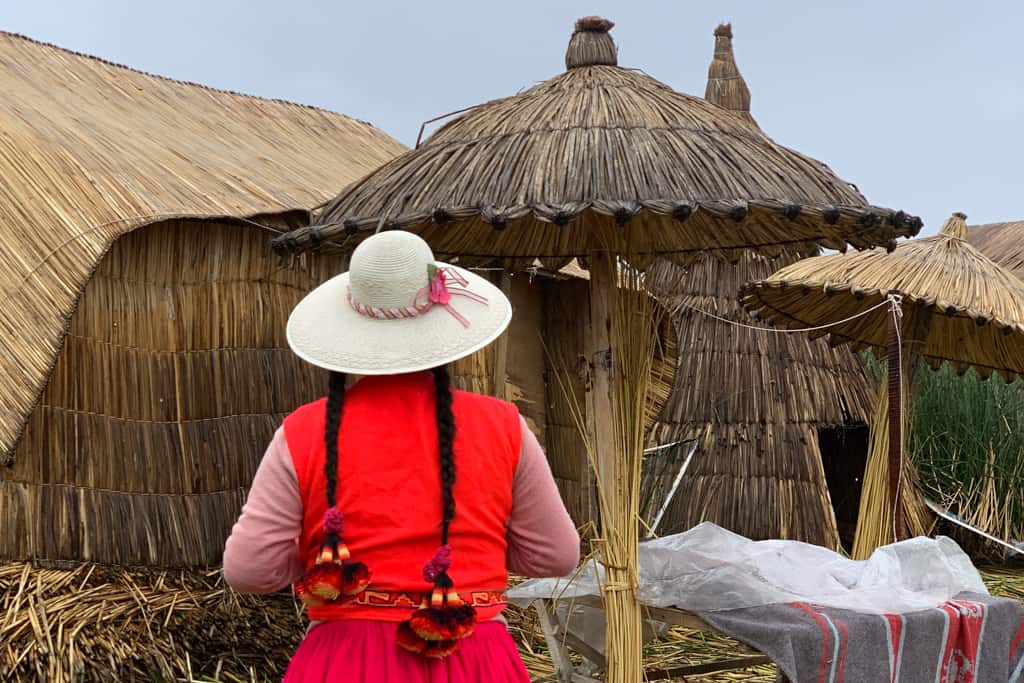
[
  {"x": 262, "y": 553},
  {"x": 542, "y": 539}
]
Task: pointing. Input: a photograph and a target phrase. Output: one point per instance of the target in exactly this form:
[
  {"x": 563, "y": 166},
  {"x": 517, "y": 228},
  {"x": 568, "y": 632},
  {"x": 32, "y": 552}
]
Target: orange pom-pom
[
  {"x": 325, "y": 581},
  {"x": 439, "y": 649},
  {"x": 303, "y": 593},
  {"x": 444, "y": 623},
  {"x": 355, "y": 577},
  {"x": 407, "y": 639}
]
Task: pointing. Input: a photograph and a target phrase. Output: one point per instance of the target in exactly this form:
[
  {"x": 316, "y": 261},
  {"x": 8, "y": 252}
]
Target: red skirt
[{"x": 366, "y": 652}]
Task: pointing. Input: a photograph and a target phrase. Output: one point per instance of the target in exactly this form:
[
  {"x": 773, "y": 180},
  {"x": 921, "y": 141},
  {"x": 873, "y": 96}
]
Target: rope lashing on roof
[
  {"x": 895, "y": 304},
  {"x": 891, "y": 300}
]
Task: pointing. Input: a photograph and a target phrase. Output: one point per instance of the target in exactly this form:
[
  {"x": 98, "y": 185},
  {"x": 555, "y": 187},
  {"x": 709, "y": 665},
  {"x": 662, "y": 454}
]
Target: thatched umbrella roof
[
  {"x": 1001, "y": 242},
  {"x": 673, "y": 173},
  {"x": 957, "y": 305},
  {"x": 978, "y": 305},
  {"x": 91, "y": 150}
]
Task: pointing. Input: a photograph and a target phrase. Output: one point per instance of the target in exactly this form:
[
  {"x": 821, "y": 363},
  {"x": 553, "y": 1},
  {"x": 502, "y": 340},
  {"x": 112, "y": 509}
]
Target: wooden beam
[
  {"x": 499, "y": 371},
  {"x": 708, "y": 668}
]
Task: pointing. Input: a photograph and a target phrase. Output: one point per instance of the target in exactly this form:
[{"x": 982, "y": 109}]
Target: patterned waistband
[{"x": 405, "y": 599}]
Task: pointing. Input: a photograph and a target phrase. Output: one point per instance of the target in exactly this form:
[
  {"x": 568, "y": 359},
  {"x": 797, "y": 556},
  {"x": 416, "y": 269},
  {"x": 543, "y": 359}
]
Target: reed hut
[
  {"x": 1001, "y": 242},
  {"x": 143, "y": 355},
  {"x": 785, "y": 416}
]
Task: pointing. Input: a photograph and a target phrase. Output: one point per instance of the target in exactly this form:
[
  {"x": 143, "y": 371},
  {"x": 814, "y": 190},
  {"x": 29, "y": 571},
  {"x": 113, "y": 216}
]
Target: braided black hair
[
  {"x": 335, "y": 405},
  {"x": 446, "y": 446},
  {"x": 445, "y": 439}
]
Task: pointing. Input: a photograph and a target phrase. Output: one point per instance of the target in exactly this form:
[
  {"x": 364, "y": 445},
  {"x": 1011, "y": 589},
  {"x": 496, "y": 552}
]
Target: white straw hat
[{"x": 396, "y": 310}]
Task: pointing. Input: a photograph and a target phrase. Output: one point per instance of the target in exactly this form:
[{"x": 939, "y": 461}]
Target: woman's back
[
  {"x": 388, "y": 469},
  {"x": 395, "y": 507}
]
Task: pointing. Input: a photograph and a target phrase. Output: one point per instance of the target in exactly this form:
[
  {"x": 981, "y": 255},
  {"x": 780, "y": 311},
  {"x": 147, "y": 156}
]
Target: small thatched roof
[
  {"x": 1001, "y": 242},
  {"x": 90, "y": 150},
  {"x": 599, "y": 150},
  {"x": 978, "y": 305}
]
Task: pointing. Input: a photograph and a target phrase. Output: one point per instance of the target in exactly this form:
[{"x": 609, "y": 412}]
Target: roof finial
[
  {"x": 726, "y": 86},
  {"x": 955, "y": 226},
  {"x": 591, "y": 44}
]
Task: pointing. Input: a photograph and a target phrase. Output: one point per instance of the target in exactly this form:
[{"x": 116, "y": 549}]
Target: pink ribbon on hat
[{"x": 437, "y": 292}]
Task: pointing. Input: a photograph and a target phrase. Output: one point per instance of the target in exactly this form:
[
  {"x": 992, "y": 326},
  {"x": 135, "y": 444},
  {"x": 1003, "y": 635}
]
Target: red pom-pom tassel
[
  {"x": 440, "y": 649},
  {"x": 325, "y": 581},
  {"x": 444, "y": 616},
  {"x": 355, "y": 577},
  {"x": 408, "y": 640},
  {"x": 303, "y": 593},
  {"x": 435, "y": 649},
  {"x": 334, "y": 578}
]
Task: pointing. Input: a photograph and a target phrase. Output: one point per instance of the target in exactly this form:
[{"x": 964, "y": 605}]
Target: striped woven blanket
[{"x": 970, "y": 639}]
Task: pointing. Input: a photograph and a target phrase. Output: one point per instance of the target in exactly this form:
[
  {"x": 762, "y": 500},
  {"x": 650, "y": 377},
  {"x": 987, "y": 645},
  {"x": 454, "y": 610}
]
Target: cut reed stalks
[
  {"x": 624, "y": 326},
  {"x": 875, "y": 520},
  {"x": 96, "y": 623}
]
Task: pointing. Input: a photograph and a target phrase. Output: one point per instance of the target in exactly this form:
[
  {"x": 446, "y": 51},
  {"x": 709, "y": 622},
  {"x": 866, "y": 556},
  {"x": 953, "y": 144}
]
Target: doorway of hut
[{"x": 844, "y": 455}]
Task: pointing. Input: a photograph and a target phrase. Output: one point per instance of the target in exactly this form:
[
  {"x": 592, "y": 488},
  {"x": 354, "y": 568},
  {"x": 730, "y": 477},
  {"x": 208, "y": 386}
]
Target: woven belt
[{"x": 405, "y": 599}]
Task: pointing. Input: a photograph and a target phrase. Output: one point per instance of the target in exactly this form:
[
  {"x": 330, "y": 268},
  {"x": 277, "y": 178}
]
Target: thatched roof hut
[
  {"x": 1001, "y": 242},
  {"x": 142, "y": 352},
  {"x": 786, "y": 415}
]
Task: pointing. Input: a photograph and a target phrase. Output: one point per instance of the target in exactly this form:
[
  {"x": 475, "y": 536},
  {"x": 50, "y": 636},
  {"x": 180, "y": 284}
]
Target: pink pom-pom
[
  {"x": 439, "y": 564},
  {"x": 333, "y": 520}
]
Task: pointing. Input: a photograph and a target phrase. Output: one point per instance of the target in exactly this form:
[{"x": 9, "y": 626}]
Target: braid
[
  {"x": 335, "y": 404},
  {"x": 446, "y": 446},
  {"x": 334, "y": 576},
  {"x": 443, "y": 618}
]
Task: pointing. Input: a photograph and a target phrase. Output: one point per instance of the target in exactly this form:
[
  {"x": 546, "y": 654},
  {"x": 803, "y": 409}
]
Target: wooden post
[
  {"x": 601, "y": 413},
  {"x": 917, "y": 321},
  {"x": 623, "y": 624},
  {"x": 499, "y": 374},
  {"x": 895, "y": 371}
]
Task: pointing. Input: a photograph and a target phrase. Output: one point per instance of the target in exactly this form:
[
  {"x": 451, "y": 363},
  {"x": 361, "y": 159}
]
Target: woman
[{"x": 396, "y": 506}]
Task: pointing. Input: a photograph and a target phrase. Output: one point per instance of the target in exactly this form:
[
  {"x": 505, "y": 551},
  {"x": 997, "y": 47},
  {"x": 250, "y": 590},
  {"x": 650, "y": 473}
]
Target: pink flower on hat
[{"x": 439, "y": 293}]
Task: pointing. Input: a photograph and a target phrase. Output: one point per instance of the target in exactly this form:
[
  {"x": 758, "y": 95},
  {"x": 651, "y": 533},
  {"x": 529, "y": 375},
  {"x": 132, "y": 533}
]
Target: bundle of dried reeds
[
  {"x": 875, "y": 519},
  {"x": 617, "y": 414},
  {"x": 633, "y": 337},
  {"x": 95, "y": 623}
]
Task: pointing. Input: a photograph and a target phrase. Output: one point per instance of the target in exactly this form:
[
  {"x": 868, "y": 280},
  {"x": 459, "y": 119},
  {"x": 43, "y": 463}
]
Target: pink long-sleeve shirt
[{"x": 262, "y": 553}]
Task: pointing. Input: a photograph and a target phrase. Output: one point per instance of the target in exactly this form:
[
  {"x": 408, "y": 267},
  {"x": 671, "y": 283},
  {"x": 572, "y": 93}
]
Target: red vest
[{"x": 389, "y": 490}]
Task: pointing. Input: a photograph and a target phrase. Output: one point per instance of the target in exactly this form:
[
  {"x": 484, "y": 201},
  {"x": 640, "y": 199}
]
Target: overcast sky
[{"x": 920, "y": 103}]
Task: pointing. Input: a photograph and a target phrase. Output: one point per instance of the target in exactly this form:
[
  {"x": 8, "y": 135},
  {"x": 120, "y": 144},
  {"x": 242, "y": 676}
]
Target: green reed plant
[{"x": 967, "y": 440}]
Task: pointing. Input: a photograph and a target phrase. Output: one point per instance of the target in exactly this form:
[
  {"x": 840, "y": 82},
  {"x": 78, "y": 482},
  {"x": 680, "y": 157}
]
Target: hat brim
[{"x": 326, "y": 331}]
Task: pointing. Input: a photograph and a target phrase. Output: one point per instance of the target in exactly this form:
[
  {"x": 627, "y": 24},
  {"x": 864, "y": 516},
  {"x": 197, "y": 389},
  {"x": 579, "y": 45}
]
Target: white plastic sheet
[{"x": 708, "y": 568}]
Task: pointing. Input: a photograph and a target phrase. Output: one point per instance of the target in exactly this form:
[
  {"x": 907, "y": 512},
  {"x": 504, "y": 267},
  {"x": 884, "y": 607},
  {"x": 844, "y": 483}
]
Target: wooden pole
[
  {"x": 600, "y": 398},
  {"x": 917, "y": 321},
  {"x": 499, "y": 371},
  {"x": 623, "y": 621},
  {"x": 895, "y": 371}
]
